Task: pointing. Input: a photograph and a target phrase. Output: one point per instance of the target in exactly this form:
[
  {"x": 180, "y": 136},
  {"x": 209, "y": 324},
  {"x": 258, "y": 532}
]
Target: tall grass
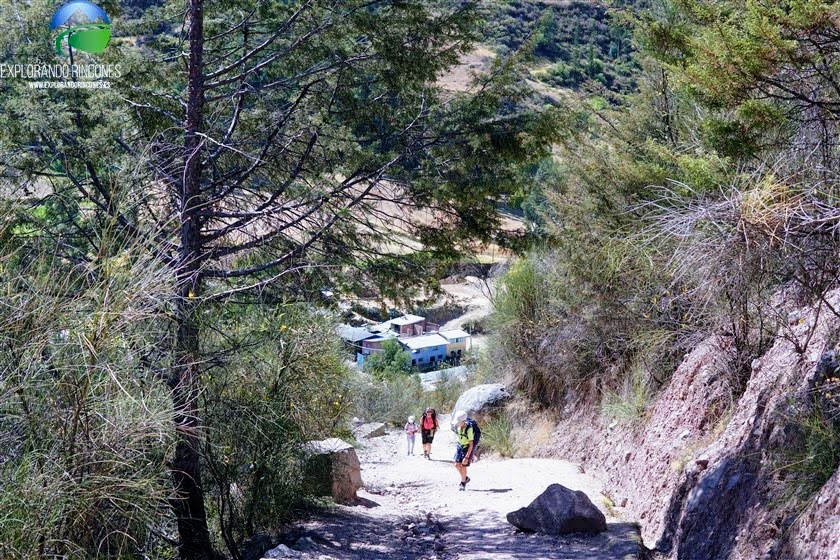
[
  {"x": 815, "y": 456},
  {"x": 631, "y": 399},
  {"x": 85, "y": 426},
  {"x": 497, "y": 435}
]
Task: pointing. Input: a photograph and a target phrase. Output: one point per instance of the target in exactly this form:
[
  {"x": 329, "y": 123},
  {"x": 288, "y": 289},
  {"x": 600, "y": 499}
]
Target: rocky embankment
[{"x": 702, "y": 471}]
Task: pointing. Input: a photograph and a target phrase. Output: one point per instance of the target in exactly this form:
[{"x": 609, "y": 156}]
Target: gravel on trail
[{"x": 411, "y": 509}]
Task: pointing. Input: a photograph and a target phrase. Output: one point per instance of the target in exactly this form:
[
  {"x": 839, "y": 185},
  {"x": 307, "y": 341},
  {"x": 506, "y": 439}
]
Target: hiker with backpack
[
  {"x": 428, "y": 427},
  {"x": 468, "y": 434}
]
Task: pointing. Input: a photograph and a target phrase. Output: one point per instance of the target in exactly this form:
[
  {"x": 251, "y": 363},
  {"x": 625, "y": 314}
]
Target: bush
[
  {"x": 552, "y": 334},
  {"x": 497, "y": 435},
  {"x": 445, "y": 394},
  {"x": 372, "y": 313},
  {"x": 485, "y": 366},
  {"x": 390, "y": 361},
  {"x": 280, "y": 381},
  {"x": 85, "y": 427},
  {"x": 390, "y": 400}
]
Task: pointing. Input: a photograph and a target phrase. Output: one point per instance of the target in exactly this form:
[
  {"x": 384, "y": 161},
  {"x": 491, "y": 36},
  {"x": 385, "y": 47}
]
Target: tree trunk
[{"x": 188, "y": 503}]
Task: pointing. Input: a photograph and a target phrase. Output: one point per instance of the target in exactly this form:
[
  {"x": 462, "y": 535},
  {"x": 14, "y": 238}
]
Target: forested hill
[{"x": 577, "y": 41}]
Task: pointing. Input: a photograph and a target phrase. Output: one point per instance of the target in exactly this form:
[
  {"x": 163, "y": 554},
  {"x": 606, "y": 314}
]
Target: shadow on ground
[
  {"x": 479, "y": 538},
  {"x": 372, "y": 536}
]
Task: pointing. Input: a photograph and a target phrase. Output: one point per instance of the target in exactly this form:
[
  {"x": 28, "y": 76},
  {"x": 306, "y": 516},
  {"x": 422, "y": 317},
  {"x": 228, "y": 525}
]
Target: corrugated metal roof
[
  {"x": 381, "y": 327},
  {"x": 354, "y": 334},
  {"x": 424, "y": 341},
  {"x": 381, "y": 337},
  {"x": 454, "y": 333},
  {"x": 407, "y": 319}
]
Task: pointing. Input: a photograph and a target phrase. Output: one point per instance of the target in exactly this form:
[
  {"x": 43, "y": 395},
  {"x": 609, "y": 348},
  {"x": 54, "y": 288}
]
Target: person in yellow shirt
[{"x": 465, "y": 445}]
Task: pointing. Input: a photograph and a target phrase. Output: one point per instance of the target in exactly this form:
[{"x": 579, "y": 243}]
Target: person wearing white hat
[
  {"x": 464, "y": 449},
  {"x": 410, "y": 430}
]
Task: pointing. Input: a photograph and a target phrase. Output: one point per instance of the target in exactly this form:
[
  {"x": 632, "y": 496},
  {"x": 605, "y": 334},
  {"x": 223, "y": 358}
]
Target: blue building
[
  {"x": 412, "y": 332},
  {"x": 425, "y": 350}
]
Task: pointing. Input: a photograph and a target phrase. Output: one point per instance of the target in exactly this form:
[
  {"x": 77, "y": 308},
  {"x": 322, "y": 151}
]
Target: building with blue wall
[{"x": 426, "y": 348}]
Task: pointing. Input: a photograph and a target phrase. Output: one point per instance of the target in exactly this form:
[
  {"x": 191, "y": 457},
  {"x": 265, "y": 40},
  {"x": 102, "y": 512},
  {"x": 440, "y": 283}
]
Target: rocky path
[{"x": 411, "y": 509}]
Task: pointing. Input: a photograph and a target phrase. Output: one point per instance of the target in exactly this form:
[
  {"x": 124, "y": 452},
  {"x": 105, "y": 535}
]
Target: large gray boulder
[
  {"x": 369, "y": 430},
  {"x": 335, "y": 467},
  {"x": 559, "y": 511},
  {"x": 481, "y": 400}
]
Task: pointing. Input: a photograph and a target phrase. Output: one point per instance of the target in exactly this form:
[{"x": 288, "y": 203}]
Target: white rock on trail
[
  {"x": 482, "y": 400},
  {"x": 336, "y": 463}
]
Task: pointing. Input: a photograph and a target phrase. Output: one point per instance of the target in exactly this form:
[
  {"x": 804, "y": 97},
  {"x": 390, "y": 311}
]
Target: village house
[
  {"x": 456, "y": 342},
  {"x": 423, "y": 340}
]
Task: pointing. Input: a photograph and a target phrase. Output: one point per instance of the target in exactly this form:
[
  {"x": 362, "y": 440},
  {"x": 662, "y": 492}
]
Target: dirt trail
[{"x": 411, "y": 509}]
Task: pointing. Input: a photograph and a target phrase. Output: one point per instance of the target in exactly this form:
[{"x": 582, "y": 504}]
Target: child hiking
[
  {"x": 428, "y": 427},
  {"x": 410, "y": 429},
  {"x": 468, "y": 434}
]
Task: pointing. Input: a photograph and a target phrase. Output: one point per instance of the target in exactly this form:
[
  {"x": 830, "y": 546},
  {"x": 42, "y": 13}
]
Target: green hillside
[{"x": 577, "y": 42}]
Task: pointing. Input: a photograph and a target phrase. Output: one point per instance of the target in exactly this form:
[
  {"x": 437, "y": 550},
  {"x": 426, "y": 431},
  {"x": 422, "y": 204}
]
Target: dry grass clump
[
  {"x": 86, "y": 428},
  {"x": 529, "y": 428}
]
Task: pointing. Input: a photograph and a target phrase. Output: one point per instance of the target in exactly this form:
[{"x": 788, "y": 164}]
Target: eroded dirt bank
[{"x": 701, "y": 472}]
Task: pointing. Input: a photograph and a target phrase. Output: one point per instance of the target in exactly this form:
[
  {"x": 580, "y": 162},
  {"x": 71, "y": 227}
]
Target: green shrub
[
  {"x": 496, "y": 435},
  {"x": 486, "y": 367},
  {"x": 630, "y": 401},
  {"x": 390, "y": 361},
  {"x": 282, "y": 382},
  {"x": 545, "y": 333},
  {"x": 578, "y": 34},
  {"x": 445, "y": 394},
  {"x": 390, "y": 400}
]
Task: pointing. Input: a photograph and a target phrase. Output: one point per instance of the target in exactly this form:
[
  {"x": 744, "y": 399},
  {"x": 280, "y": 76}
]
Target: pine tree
[{"x": 272, "y": 146}]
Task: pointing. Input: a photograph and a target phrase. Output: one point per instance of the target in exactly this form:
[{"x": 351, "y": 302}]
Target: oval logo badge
[{"x": 88, "y": 28}]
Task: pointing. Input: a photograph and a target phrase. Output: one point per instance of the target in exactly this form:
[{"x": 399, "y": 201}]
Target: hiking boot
[{"x": 462, "y": 486}]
